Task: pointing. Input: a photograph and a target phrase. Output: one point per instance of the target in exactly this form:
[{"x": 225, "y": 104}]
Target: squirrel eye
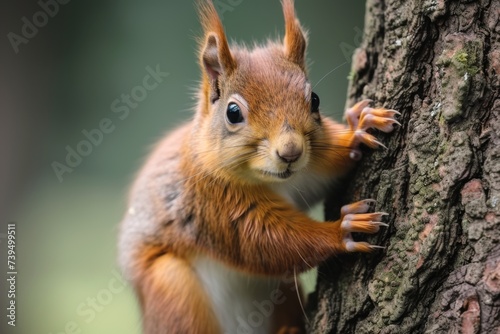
[
  {"x": 314, "y": 102},
  {"x": 233, "y": 113}
]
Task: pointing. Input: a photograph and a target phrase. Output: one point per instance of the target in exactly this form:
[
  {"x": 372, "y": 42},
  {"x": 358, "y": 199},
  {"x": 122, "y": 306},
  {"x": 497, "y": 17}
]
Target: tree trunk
[{"x": 438, "y": 63}]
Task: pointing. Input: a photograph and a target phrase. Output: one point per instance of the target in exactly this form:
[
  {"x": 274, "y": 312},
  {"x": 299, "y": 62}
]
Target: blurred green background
[{"x": 62, "y": 81}]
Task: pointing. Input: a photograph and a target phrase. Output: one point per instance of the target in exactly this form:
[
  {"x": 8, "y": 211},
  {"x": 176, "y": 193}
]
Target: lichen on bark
[{"x": 437, "y": 62}]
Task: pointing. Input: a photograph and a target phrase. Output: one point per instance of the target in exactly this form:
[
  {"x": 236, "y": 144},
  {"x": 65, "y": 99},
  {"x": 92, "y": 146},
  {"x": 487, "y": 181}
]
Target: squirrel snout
[{"x": 289, "y": 152}]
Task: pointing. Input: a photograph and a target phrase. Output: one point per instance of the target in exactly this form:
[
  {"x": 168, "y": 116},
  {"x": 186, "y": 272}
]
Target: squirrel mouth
[{"x": 281, "y": 175}]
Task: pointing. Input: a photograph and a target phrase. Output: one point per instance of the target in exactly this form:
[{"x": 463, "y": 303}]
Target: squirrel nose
[{"x": 289, "y": 153}]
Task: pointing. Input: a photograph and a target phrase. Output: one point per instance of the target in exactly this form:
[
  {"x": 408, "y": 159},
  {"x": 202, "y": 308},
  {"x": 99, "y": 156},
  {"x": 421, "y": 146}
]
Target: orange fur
[
  {"x": 295, "y": 38},
  {"x": 218, "y": 189},
  {"x": 166, "y": 291}
]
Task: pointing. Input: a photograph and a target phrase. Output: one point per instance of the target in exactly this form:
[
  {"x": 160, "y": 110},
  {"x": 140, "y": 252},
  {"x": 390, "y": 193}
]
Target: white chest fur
[{"x": 244, "y": 304}]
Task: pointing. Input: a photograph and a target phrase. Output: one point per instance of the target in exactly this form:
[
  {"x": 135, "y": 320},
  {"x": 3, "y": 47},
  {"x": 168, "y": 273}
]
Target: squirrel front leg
[
  {"x": 344, "y": 141},
  {"x": 271, "y": 237}
]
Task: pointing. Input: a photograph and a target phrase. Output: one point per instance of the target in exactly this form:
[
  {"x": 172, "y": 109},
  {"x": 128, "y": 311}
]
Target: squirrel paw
[
  {"x": 354, "y": 218},
  {"x": 360, "y": 118}
]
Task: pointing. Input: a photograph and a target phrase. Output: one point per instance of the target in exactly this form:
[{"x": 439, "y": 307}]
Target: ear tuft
[
  {"x": 215, "y": 57},
  {"x": 295, "y": 38}
]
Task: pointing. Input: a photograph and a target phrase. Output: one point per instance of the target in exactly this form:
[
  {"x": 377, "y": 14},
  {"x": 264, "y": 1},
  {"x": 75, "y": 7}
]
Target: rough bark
[{"x": 438, "y": 63}]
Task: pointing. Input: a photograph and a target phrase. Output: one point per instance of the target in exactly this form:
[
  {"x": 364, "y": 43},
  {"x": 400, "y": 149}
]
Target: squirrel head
[{"x": 257, "y": 115}]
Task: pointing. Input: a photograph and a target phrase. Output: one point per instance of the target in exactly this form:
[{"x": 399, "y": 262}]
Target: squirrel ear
[
  {"x": 295, "y": 37},
  {"x": 215, "y": 56}
]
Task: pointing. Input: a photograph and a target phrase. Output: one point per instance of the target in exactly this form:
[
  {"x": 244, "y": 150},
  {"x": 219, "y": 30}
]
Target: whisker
[
  {"x": 336, "y": 68},
  {"x": 298, "y": 294},
  {"x": 301, "y": 196}
]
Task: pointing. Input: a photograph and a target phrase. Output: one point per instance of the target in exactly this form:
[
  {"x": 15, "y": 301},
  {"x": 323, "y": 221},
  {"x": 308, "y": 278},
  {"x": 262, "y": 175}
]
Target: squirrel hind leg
[{"x": 173, "y": 300}]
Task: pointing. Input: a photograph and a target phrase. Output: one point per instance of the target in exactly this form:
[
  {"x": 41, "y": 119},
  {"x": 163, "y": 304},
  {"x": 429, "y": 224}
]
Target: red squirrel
[{"x": 215, "y": 218}]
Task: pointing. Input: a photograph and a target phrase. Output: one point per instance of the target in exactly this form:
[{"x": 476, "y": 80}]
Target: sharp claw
[
  {"x": 380, "y": 144},
  {"x": 353, "y": 246},
  {"x": 377, "y": 247},
  {"x": 393, "y": 111},
  {"x": 369, "y": 200}
]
